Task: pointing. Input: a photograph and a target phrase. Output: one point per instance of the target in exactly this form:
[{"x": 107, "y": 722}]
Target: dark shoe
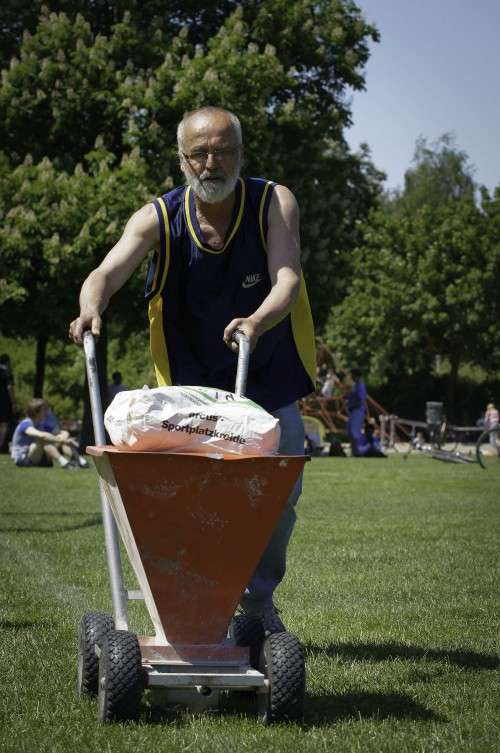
[
  {"x": 70, "y": 466},
  {"x": 271, "y": 621}
]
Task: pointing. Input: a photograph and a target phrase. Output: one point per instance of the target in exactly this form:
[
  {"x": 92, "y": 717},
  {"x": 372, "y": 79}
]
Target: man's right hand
[{"x": 82, "y": 323}]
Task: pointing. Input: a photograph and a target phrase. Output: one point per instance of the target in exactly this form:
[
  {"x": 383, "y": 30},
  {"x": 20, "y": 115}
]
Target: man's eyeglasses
[{"x": 201, "y": 157}]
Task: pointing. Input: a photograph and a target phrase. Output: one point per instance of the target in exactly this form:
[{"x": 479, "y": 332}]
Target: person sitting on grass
[
  {"x": 31, "y": 446},
  {"x": 51, "y": 424},
  {"x": 372, "y": 436}
]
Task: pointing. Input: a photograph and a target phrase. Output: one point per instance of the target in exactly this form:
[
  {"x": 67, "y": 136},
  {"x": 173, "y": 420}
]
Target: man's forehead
[{"x": 209, "y": 124}]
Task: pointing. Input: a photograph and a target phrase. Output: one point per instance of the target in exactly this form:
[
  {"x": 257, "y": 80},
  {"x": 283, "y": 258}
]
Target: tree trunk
[
  {"x": 41, "y": 352},
  {"x": 452, "y": 387},
  {"x": 87, "y": 433}
]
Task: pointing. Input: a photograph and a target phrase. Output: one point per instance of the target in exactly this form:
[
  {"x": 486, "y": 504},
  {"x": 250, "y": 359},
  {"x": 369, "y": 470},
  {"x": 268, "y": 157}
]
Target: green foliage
[
  {"x": 425, "y": 280},
  {"x": 132, "y": 358},
  {"x": 423, "y": 286},
  {"x": 91, "y": 72},
  {"x": 63, "y": 85},
  {"x": 442, "y": 172},
  {"x": 284, "y": 68},
  {"x": 59, "y": 225},
  {"x": 65, "y": 370}
]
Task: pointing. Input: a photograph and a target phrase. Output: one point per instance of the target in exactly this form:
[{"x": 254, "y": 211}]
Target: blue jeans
[
  {"x": 355, "y": 424},
  {"x": 272, "y": 566}
]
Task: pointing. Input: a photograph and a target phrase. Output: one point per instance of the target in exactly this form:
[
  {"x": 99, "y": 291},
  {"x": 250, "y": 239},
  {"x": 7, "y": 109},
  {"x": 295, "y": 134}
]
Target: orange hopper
[{"x": 194, "y": 528}]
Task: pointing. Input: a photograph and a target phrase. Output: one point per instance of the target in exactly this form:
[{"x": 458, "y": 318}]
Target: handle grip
[
  {"x": 243, "y": 361},
  {"x": 95, "y": 394}
]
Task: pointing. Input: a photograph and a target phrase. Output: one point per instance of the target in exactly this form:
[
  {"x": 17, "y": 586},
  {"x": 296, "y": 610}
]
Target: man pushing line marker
[{"x": 226, "y": 258}]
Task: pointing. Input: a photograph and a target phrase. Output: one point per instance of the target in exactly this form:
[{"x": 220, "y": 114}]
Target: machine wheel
[
  {"x": 121, "y": 677},
  {"x": 94, "y": 626},
  {"x": 282, "y": 663},
  {"x": 247, "y": 630}
]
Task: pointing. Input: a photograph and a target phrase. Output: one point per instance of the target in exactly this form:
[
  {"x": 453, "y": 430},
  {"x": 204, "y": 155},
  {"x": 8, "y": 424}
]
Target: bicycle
[
  {"x": 442, "y": 444},
  {"x": 491, "y": 434}
]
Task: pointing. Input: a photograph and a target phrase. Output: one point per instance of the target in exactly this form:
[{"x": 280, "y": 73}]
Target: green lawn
[{"x": 392, "y": 587}]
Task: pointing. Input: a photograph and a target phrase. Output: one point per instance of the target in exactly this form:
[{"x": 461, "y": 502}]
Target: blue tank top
[{"x": 194, "y": 291}]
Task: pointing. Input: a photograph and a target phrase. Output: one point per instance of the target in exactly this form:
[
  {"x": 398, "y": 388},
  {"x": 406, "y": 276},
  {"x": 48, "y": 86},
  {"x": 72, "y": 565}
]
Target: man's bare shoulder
[
  {"x": 144, "y": 222},
  {"x": 283, "y": 202}
]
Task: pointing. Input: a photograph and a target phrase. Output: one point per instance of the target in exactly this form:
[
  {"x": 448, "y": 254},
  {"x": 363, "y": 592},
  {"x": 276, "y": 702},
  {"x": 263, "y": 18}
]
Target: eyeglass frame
[{"x": 231, "y": 153}]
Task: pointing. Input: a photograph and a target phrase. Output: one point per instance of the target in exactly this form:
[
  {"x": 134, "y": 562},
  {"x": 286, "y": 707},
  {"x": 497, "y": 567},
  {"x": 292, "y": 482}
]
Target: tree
[
  {"x": 441, "y": 173},
  {"x": 84, "y": 73},
  {"x": 284, "y": 67},
  {"x": 57, "y": 225},
  {"x": 425, "y": 282},
  {"x": 490, "y": 204}
]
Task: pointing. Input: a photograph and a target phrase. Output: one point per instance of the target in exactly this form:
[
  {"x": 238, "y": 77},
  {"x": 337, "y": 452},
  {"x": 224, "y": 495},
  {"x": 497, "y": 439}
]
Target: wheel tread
[
  {"x": 124, "y": 683},
  {"x": 282, "y": 657},
  {"x": 94, "y": 626}
]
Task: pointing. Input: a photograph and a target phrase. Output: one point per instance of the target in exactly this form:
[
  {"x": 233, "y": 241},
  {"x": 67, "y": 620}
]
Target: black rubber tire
[
  {"x": 282, "y": 663},
  {"x": 94, "y": 626},
  {"x": 247, "y": 630},
  {"x": 484, "y": 437},
  {"x": 121, "y": 677}
]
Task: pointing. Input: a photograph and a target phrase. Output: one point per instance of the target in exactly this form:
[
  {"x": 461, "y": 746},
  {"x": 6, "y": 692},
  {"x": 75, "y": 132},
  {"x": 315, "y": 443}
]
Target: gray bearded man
[{"x": 226, "y": 257}]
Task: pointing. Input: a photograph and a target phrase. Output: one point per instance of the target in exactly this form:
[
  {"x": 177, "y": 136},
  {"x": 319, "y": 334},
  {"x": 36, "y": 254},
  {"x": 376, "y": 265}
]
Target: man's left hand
[{"x": 243, "y": 325}]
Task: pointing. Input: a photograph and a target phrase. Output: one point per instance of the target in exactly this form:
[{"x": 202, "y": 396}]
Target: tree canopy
[
  {"x": 121, "y": 76},
  {"x": 425, "y": 282}
]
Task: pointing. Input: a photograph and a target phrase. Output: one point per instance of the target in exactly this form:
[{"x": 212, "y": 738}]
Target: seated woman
[{"x": 32, "y": 446}]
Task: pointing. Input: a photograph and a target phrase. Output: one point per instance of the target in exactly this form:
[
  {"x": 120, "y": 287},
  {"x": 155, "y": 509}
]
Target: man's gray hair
[{"x": 207, "y": 109}]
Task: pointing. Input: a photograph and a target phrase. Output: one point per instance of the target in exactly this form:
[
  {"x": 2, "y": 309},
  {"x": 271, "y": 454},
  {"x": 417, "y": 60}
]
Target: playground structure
[
  {"x": 436, "y": 437},
  {"x": 395, "y": 431},
  {"x": 332, "y": 411}
]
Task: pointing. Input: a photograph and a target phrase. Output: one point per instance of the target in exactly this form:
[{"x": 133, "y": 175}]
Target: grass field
[{"x": 392, "y": 587}]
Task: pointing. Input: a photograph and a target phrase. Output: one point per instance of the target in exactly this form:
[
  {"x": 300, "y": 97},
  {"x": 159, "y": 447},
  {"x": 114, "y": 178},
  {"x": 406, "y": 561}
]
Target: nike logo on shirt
[{"x": 251, "y": 280}]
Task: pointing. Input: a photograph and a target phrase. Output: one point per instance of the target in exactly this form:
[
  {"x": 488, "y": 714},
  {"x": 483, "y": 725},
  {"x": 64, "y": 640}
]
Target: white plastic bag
[{"x": 190, "y": 419}]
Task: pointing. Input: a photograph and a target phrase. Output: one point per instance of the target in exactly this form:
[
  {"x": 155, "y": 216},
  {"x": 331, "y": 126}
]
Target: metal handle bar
[
  {"x": 243, "y": 362},
  {"x": 118, "y": 591},
  {"x": 94, "y": 391}
]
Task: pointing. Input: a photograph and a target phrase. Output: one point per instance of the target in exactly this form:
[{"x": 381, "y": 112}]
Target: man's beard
[{"x": 212, "y": 192}]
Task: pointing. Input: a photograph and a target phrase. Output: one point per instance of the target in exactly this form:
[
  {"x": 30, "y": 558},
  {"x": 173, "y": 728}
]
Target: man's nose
[{"x": 211, "y": 161}]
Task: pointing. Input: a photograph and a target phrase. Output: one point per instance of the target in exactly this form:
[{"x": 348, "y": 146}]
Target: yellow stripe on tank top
[
  {"x": 261, "y": 214},
  {"x": 303, "y": 330},
  {"x": 189, "y": 221},
  {"x": 157, "y": 341},
  {"x": 301, "y": 316}
]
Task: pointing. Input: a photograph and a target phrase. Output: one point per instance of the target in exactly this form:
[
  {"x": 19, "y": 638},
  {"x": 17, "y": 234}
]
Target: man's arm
[
  {"x": 140, "y": 235},
  {"x": 283, "y": 262}
]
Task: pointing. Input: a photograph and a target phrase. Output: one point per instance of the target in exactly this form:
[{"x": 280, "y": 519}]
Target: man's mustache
[{"x": 208, "y": 174}]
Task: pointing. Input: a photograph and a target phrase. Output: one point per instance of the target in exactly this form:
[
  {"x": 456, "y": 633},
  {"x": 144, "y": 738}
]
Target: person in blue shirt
[
  {"x": 356, "y": 407},
  {"x": 226, "y": 257},
  {"x": 50, "y": 423},
  {"x": 32, "y": 445}
]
